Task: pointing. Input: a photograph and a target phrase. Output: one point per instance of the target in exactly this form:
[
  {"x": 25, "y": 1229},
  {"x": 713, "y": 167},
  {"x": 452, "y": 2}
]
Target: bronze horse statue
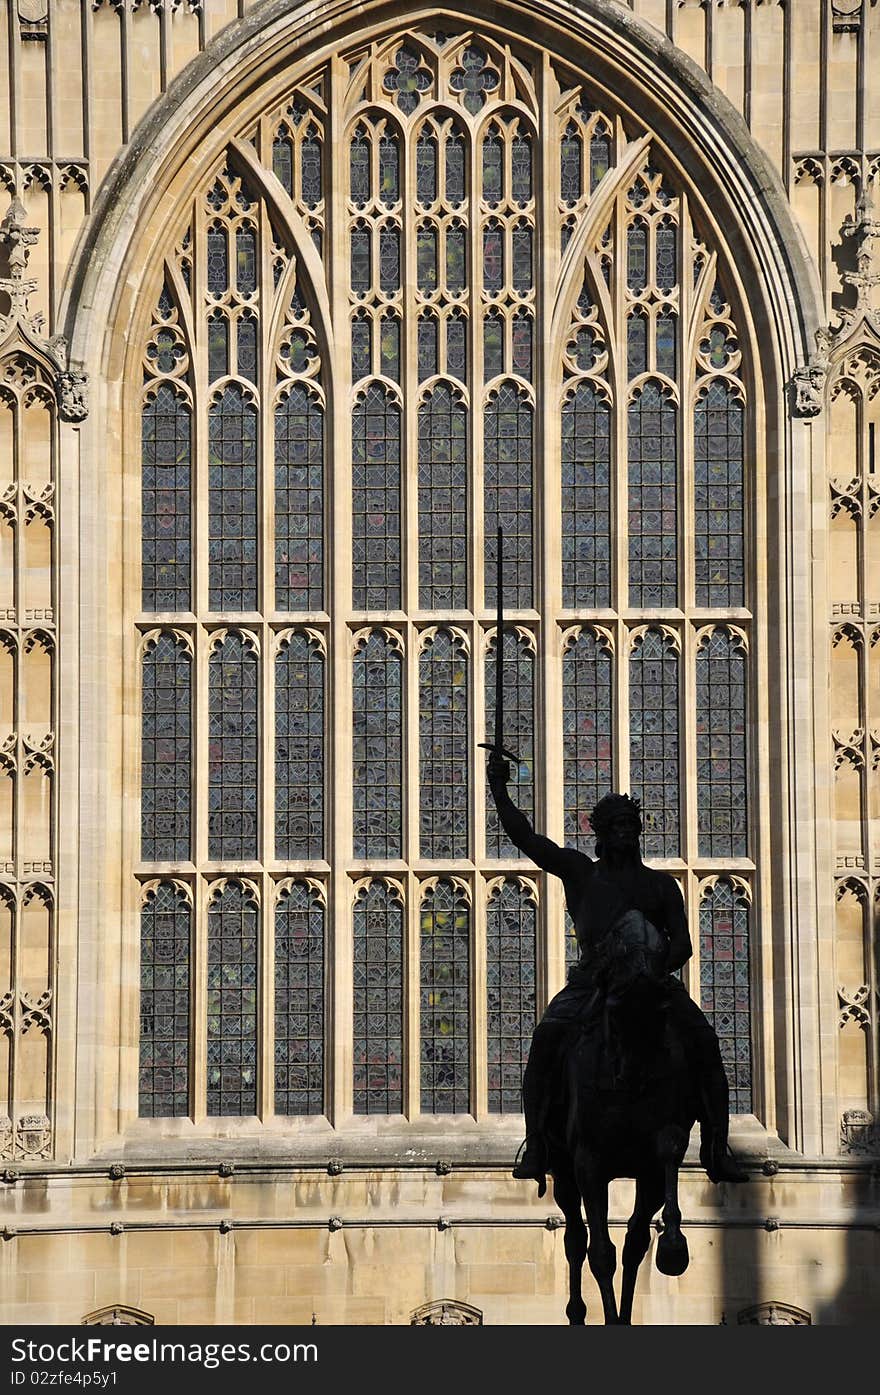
[{"x": 624, "y": 1106}]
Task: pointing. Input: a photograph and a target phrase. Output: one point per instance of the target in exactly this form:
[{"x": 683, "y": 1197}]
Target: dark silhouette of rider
[{"x": 618, "y": 906}]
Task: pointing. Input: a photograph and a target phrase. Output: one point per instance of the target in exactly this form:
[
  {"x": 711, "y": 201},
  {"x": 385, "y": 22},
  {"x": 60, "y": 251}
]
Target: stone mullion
[
  {"x": 686, "y": 505},
  {"x": 266, "y": 1000},
  {"x": 199, "y": 998},
  {"x": 479, "y": 1008},
  {"x": 409, "y": 382},
  {"x": 550, "y": 799},
  {"x": 20, "y": 634},
  {"x": 476, "y": 504},
  {"x": 619, "y": 381},
  {"x": 411, "y": 851},
  {"x": 410, "y": 990},
  {"x": 266, "y": 535},
  {"x": 339, "y": 989}
]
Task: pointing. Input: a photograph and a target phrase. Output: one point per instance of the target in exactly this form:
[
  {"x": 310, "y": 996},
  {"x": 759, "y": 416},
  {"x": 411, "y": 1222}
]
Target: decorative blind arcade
[{"x": 630, "y": 613}]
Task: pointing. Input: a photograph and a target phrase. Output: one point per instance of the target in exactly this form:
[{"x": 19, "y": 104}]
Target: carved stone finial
[
  {"x": 18, "y": 238},
  {"x": 864, "y": 232}
]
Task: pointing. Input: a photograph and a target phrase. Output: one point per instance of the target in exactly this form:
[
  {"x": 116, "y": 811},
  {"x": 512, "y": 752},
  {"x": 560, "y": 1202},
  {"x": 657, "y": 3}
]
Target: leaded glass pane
[
  {"x": 724, "y": 985},
  {"x": 233, "y": 932},
  {"x": 666, "y": 345},
  {"x": 518, "y": 734},
  {"x": 455, "y": 189},
  {"x": 233, "y": 751},
  {"x": 164, "y": 1057},
  {"x": 218, "y": 346},
  {"x": 389, "y": 170},
  {"x": 165, "y": 501},
  {"x": 510, "y": 993},
  {"x": 232, "y": 502},
  {"x": 426, "y": 258},
  {"x": 456, "y": 259},
  {"x": 493, "y": 168},
  {"x": 508, "y": 494},
  {"x": 359, "y": 168},
  {"x": 378, "y": 1001},
  {"x": 719, "y": 497},
  {"x": 456, "y": 347},
  {"x": 166, "y": 752},
  {"x": 426, "y": 169},
  {"x": 521, "y": 344},
  {"x": 427, "y": 346},
  {"x": 310, "y": 168},
  {"x": 493, "y": 345},
  {"x": 600, "y": 157},
  {"x": 361, "y": 259},
  {"x": 444, "y": 1074},
  {"x": 637, "y": 257},
  {"x": 571, "y": 184},
  {"x": 443, "y": 747},
  {"x": 246, "y": 260},
  {"x": 521, "y": 169},
  {"x": 389, "y": 259},
  {"x": 522, "y": 258},
  {"x": 299, "y": 750},
  {"x": 586, "y": 500},
  {"x": 282, "y": 161},
  {"x": 667, "y": 270},
  {"x": 654, "y": 741},
  {"x": 493, "y": 257},
  {"x": 389, "y": 347},
  {"x": 587, "y": 729},
  {"x": 247, "y": 348},
  {"x": 376, "y": 501},
  {"x": 299, "y": 1001},
  {"x": 361, "y": 348},
  {"x": 653, "y": 486},
  {"x": 636, "y": 345},
  {"x": 378, "y": 749},
  {"x": 217, "y": 261},
  {"x": 722, "y": 770}
]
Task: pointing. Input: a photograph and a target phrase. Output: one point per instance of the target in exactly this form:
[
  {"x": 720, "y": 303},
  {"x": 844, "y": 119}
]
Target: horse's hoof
[{"x": 672, "y": 1254}]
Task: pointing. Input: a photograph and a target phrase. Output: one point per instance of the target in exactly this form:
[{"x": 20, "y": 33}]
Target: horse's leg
[
  {"x": 672, "y": 1248},
  {"x": 600, "y": 1251},
  {"x": 568, "y": 1199},
  {"x": 649, "y": 1198}
]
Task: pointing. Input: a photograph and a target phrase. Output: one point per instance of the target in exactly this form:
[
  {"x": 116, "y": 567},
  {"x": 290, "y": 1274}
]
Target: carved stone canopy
[{"x": 447, "y": 1312}]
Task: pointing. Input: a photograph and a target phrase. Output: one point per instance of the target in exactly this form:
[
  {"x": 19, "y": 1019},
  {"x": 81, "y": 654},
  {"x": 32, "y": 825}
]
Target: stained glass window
[
  {"x": 722, "y": 771},
  {"x": 456, "y": 347},
  {"x": 493, "y": 167},
  {"x": 233, "y": 935},
  {"x": 246, "y": 260},
  {"x": 218, "y": 261},
  {"x": 443, "y": 476},
  {"x": 586, "y": 500},
  {"x": 510, "y": 992},
  {"x": 522, "y": 257},
  {"x": 518, "y": 735},
  {"x": 636, "y": 344},
  {"x": 493, "y": 345},
  {"x": 456, "y": 258},
  {"x": 443, "y": 747},
  {"x": 455, "y": 169},
  {"x": 378, "y": 1001},
  {"x": 361, "y": 348},
  {"x": 719, "y": 496},
  {"x": 653, "y": 485},
  {"x": 247, "y": 348},
  {"x": 427, "y": 346},
  {"x": 600, "y": 156},
  {"x": 311, "y": 178},
  {"x": 359, "y": 168},
  {"x": 233, "y": 750},
  {"x": 493, "y": 257},
  {"x": 667, "y": 271},
  {"x": 164, "y": 1064},
  {"x": 389, "y": 259},
  {"x": 232, "y": 501},
  {"x": 299, "y": 501},
  {"x": 361, "y": 259},
  {"x": 426, "y": 258},
  {"x": 376, "y": 500},
  {"x": 165, "y": 500},
  {"x": 389, "y": 346},
  {"x": 444, "y": 1074},
  {"x": 218, "y": 346},
  {"x": 654, "y": 740},
  {"x": 508, "y": 493},
  {"x": 521, "y": 169},
  {"x": 389, "y": 170},
  {"x": 570, "y": 166},
  {"x": 378, "y": 729},
  {"x": 166, "y": 752},
  {"x": 637, "y": 257},
  {"x": 521, "y": 344},
  {"x": 299, "y": 1001},
  {"x": 587, "y": 733},
  {"x": 426, "y": 168},
  {"x": 666, "y": 345},
  {"x": 724, "y": 984},
  {"x": 299, "y": 750}
]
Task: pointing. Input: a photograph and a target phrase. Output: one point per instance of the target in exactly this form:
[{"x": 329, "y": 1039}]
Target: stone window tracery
[{"x": 364, "y": 355}]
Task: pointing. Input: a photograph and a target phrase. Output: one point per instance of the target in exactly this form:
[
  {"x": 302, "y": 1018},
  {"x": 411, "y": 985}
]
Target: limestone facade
[{"x": 130, "y": 134}]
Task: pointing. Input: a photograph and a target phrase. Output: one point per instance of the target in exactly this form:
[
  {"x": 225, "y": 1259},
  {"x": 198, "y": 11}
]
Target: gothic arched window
[{"x": 445, "y": 285}]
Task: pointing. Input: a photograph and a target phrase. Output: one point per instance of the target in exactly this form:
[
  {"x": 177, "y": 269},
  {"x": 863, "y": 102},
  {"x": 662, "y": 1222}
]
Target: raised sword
[{"x": 498, "y": 743}]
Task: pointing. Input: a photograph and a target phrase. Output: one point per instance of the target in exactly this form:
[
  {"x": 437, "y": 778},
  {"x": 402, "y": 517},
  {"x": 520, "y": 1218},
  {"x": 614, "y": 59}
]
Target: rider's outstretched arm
[{"x": 541, "y": 850}]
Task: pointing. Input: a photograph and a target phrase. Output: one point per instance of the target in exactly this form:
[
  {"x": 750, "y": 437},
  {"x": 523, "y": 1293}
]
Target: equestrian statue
[{"x": 623, "y": 1061}]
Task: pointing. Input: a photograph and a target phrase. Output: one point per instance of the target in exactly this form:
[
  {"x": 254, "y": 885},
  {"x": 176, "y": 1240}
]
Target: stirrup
[{"x": 537, "y": 1172}]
